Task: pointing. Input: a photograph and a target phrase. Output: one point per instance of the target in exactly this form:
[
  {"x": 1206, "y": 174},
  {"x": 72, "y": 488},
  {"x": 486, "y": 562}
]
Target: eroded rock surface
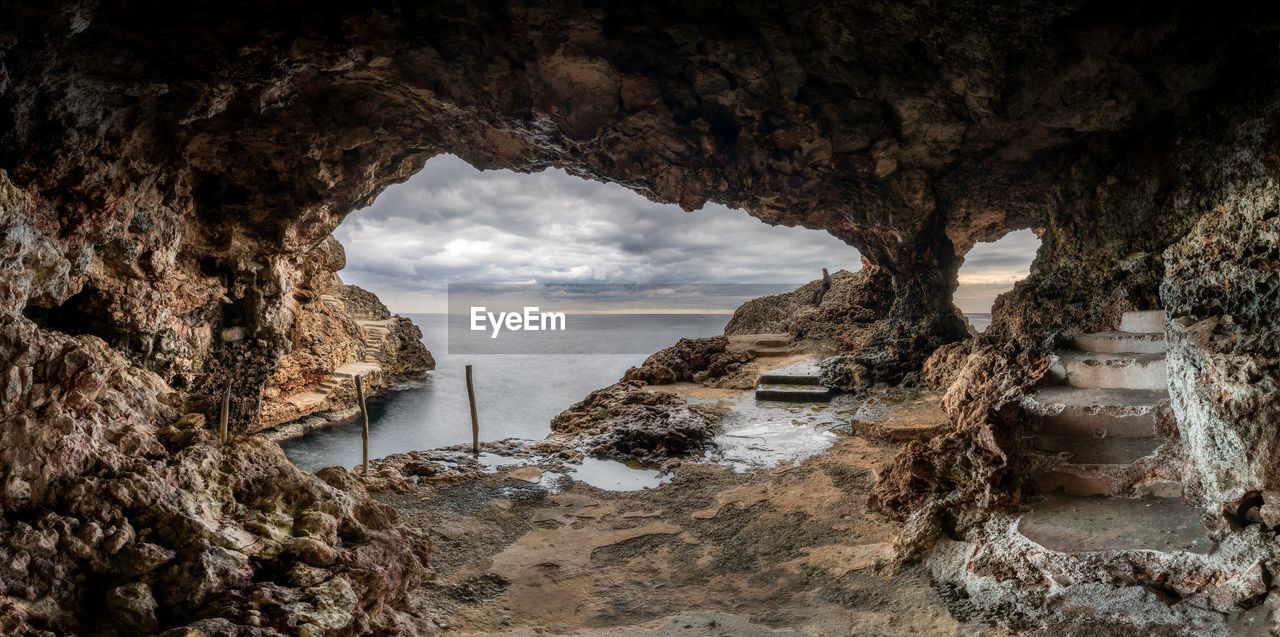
[
  {"x": 629, "y": 422},
  {"x": 122, "y": 518},
  {"x": 689, "y": 360}
]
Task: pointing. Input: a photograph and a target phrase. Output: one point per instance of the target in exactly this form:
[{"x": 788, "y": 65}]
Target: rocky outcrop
[
  {"x": 851, "y": 312},
  {"x": 689, "y": 360},
  {"x": 854, "y": 303},
  {"x": 628, "y": 422},
  {"x": 123, "y": 518}
]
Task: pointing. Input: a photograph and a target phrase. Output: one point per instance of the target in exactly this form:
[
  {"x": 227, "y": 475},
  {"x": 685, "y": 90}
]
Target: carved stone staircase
[
  {"x": 799, "y": 383},
  {"x": 1095, "y": 435},
  {"x": 334, "y": 303},
  {"x": 373, "y": 335}
]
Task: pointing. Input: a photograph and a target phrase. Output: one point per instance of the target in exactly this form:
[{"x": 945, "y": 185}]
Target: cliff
[{"x": 342, "y": 332}]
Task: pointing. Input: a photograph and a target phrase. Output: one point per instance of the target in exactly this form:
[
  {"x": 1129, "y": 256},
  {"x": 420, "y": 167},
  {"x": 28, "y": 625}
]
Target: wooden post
[
  {"x": 225, "y": 415},
  {"x": 364, "y": 426},
  {"x": 475, "y": 422}
]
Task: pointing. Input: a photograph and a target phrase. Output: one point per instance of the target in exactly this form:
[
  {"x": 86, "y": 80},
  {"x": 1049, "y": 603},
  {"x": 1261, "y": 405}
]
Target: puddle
[
  {"x": 765, "y": 434},
  {"x": 611, "y": 475},
  {"x": 493, "y": 461}
]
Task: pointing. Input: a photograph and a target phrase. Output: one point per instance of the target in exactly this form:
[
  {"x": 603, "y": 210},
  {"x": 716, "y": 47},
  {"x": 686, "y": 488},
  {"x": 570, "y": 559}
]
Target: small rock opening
[
  {"x": 85, "y": 312},
  {"x": 1247, "y": 510},
  {"x": 991, "y": 269}
]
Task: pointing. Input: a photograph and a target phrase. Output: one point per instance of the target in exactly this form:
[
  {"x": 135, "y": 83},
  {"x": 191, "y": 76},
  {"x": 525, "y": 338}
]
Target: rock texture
[
  {"x": 170, "y": 173},
  {"x": 120, "y": 518},
  {"x": 689, "y": 360},
  {"x": 857, "y": 303},
  {"x": 627, "y": 421}
]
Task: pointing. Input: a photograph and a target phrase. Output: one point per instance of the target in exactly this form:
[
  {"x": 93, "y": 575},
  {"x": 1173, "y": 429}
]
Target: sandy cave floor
[{"x": 789, "y": 550}]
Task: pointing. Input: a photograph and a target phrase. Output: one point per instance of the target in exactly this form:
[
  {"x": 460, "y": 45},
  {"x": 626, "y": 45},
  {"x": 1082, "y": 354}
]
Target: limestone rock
[
  {"x": 627, "y": 421},
  {"x": 153, "y": 198},
  {"x": 689, "y": 360}
]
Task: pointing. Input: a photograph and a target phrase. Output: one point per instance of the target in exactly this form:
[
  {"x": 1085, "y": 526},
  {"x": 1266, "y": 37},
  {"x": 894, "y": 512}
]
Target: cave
[{"x": 171, "y": 175}]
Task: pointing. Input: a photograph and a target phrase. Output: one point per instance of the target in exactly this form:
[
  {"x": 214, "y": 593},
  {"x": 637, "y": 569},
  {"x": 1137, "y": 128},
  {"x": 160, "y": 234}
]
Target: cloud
[{"x": 452, "y": 223}]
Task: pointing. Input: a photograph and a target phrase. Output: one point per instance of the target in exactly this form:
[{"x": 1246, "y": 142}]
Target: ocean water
[{"x": 516, "y": 395}]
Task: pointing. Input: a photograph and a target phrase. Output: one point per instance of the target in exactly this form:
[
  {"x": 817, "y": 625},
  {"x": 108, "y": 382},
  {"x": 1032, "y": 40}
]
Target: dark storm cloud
[{"x": 451, "y": 223}]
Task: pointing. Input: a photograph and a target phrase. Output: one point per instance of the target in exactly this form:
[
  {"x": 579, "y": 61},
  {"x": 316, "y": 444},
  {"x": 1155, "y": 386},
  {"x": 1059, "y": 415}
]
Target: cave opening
[
  {"x": 452, "y": 224},
  {"x": 991, "y": 269}
]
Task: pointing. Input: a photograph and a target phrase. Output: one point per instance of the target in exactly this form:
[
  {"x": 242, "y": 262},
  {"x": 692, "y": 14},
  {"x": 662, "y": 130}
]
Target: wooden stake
[
  {"x": 225, "y": 415},
  {"x": 475, "y": 422},
  {"x": 364, "y": 426}
]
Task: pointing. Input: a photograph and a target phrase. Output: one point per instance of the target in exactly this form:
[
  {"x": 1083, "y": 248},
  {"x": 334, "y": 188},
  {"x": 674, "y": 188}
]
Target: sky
[
  {"x": 454, "y": 224},
  {"x": 992, "y": 268}
]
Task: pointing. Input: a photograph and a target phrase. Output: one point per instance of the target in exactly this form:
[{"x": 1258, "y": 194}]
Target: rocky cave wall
[{"x": 169, "y": 171}]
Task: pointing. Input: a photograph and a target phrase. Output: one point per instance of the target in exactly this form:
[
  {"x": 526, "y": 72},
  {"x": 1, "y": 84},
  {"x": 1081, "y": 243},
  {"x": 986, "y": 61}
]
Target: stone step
[
  {"x": 771, "y": 352},
  {"x": 1078, "y": 525},
  {"x": 1110, "y": 413},
  {"x": 1110, "y": 451},
  {"x": 806, "y": 373},
  {"x": 1076, "y": 481},
  {"x": 333, "y": 302},
  {"x": 1143, "y": 322},
  {"x": 775, "y": 378},
  {"x": 793, "y": 393},
  {"x": 771, "y": 341},
  {"x": 351, "y": 370},
  {"x": 1109, "y": 371},
  {"x": 752, "y": 342},
  {"x": 790, "y": 377},
  {"x": 306, "y": 400},
  {"x": 1102, "y": 480},
  {"x": 1120, "y": 342}
]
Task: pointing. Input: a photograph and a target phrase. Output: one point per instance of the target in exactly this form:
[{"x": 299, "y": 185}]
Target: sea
[{"x": 517, "y": 395}]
